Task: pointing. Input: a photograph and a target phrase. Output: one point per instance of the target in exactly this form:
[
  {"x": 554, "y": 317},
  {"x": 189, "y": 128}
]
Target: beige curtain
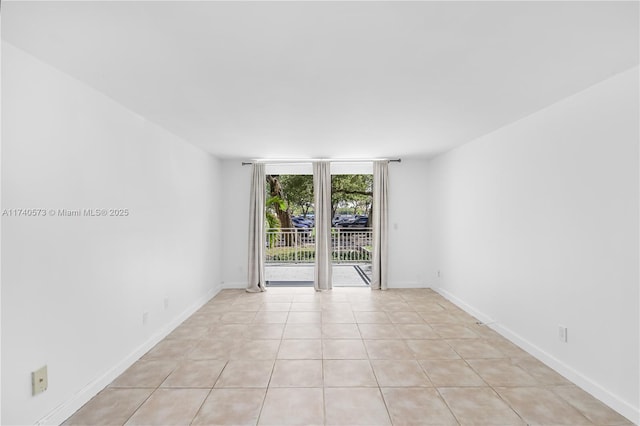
[
  {"x": 380, "y": 225},
  {"x": 257, "y": 240},
  {"x": 322, "y": 202}
]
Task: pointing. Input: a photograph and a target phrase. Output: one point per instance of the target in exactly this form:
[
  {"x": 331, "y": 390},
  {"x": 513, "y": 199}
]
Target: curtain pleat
[
  {"x": 257, "y": 239},
  {"x": 322, "y": 198},
  {"x": 380, "y": 225}
]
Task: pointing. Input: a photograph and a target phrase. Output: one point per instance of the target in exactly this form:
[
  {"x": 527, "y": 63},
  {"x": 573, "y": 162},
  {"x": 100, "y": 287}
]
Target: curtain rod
[{"x": 248, "y": 163}]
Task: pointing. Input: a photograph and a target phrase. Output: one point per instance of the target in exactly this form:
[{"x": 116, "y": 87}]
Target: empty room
[{"x": 320, "y": 213}]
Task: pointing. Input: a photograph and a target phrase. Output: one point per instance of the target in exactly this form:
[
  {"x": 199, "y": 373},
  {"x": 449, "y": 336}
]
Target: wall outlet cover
[{"x": 39, "y": 381}]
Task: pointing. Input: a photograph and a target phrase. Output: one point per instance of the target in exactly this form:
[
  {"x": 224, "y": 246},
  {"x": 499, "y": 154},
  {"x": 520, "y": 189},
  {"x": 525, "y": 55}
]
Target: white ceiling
[{"x": 330, "y": 79}]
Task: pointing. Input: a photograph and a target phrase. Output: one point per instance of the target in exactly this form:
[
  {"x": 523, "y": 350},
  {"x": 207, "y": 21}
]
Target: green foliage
[{"x": 298, "y": 191}]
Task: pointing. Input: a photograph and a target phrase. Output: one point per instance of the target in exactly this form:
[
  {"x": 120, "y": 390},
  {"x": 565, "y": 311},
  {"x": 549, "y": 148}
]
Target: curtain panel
[
  {"x": 257, "y": 239},
  {"x": 322, "y": 198},
  {"x": 380, "y": 225}
]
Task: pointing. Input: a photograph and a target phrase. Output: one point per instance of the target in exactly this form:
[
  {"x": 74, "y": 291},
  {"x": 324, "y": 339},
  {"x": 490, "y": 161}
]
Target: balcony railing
[{"x": 297, "y": 245}]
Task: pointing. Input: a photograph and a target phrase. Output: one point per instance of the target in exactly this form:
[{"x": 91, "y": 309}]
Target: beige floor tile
[
  {"x": 245, "y": 374},
  {"x": 214, "y": 349},
  {"x": 112, "y": 406},
  {"x": 388, "y": 349},
  {"x": 300, "y": 349},
  {"x": 302, "y": 331},
  {"x": 438, "y": 317},
  {"x": 340, "y": 331},
  {"x": 417, "y": 406},
  {"x": 145, "y": 374},
  {"x": 306, "y": 307},
  {"x": 293, "y": 406},
  {"x": 399, "y": 373},
  {"x": 169, "y": 407},
  {"x": 265, "y": 331},
  {"x": 409, "y": 317},
  {"x": 451, "y": 373},
  {"x": 377, "y": 317},
  {"x": 232, "y": 407},
  {"x": 256, "y": 349},
  {"x": 171, "y": 349},
  {"x": 475, "y": 348},
  {"x": 336, "y": 305},
  {"x": 479, "y": 406},
  {"x": 346, "y": 373},
  {"x": 431, "y": 349},
  {"x": 454, "y": 331},
  {"x": 271, "y": 317},
  {"x": 276, "y": 306},
  {"x": 338, "y": 317},
  {"x": 543, "y": 374},
  {"x": 589, "y": 406},
  {"x": 241, "y": 317},
  {"x": 379, "y": 331},
  {"x": 195, "y": 374},
  {"x": 185, "y": 332},
  {"x": 542, "y": 407},
  {"x": 396, "y": 306},
  {"x": 297, "y": 373},
  {"x": 343, "y": 349},
  {"x": 304, "y": 318},
  {"x": 355, "y": 406},
  {"x": 416, "y": 331},
  {"x": 227, "y": 331},
  {"x": 501, "y": 372}
]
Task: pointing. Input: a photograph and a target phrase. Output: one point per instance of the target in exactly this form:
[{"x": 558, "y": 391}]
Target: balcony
[{"x": 290, "y": 255}]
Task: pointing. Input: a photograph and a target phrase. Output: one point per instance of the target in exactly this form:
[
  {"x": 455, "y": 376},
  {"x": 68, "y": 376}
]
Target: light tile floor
[{"x": 351, "y": 356}]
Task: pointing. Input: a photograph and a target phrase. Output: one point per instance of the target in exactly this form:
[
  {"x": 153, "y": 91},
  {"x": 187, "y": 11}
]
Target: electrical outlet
[
  {"x": 562, "y": 333},
  {"x": 166, "y": 303},
  {"x": 145, "y": 317},
  {"x": 438, "y": 273},
  {"x": 39, "y": 381}
]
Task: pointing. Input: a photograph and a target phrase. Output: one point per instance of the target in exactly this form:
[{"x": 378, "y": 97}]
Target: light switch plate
[{"x": 39, "y": 380}]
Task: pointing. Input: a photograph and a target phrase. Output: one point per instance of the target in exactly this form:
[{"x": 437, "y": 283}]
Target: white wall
[
  {"x": 235, "y": 223},
  {"x": 74, "y": 288},
  {"x": 536, "y": 225},
  {"x": 409, "y": 213},
  {"x": 407, "y": 223}
]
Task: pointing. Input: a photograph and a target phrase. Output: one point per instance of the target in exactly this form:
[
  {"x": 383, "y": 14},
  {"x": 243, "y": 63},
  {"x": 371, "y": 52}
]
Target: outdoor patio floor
[{"x": 344, "y": 275}]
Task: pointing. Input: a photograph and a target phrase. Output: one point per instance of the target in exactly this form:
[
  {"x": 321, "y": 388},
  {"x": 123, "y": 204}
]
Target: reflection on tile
[
  {"x": 355, "y": 406},
  {"x": 417, "y": 406},
  {"x": 169, "y": 407},
  {"x": 375, "y": 317},
  {"x": 378, "y": 331},
  {"x": 293, "y": 406}
]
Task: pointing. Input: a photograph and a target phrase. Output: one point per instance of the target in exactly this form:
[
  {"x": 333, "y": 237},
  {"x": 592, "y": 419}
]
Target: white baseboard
[
  {"x": 235, "y": 285},
  {"x": 67, "y": 408},
  {"x": 407, "y": 284},
  {"x": 588, "y": 385}
]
